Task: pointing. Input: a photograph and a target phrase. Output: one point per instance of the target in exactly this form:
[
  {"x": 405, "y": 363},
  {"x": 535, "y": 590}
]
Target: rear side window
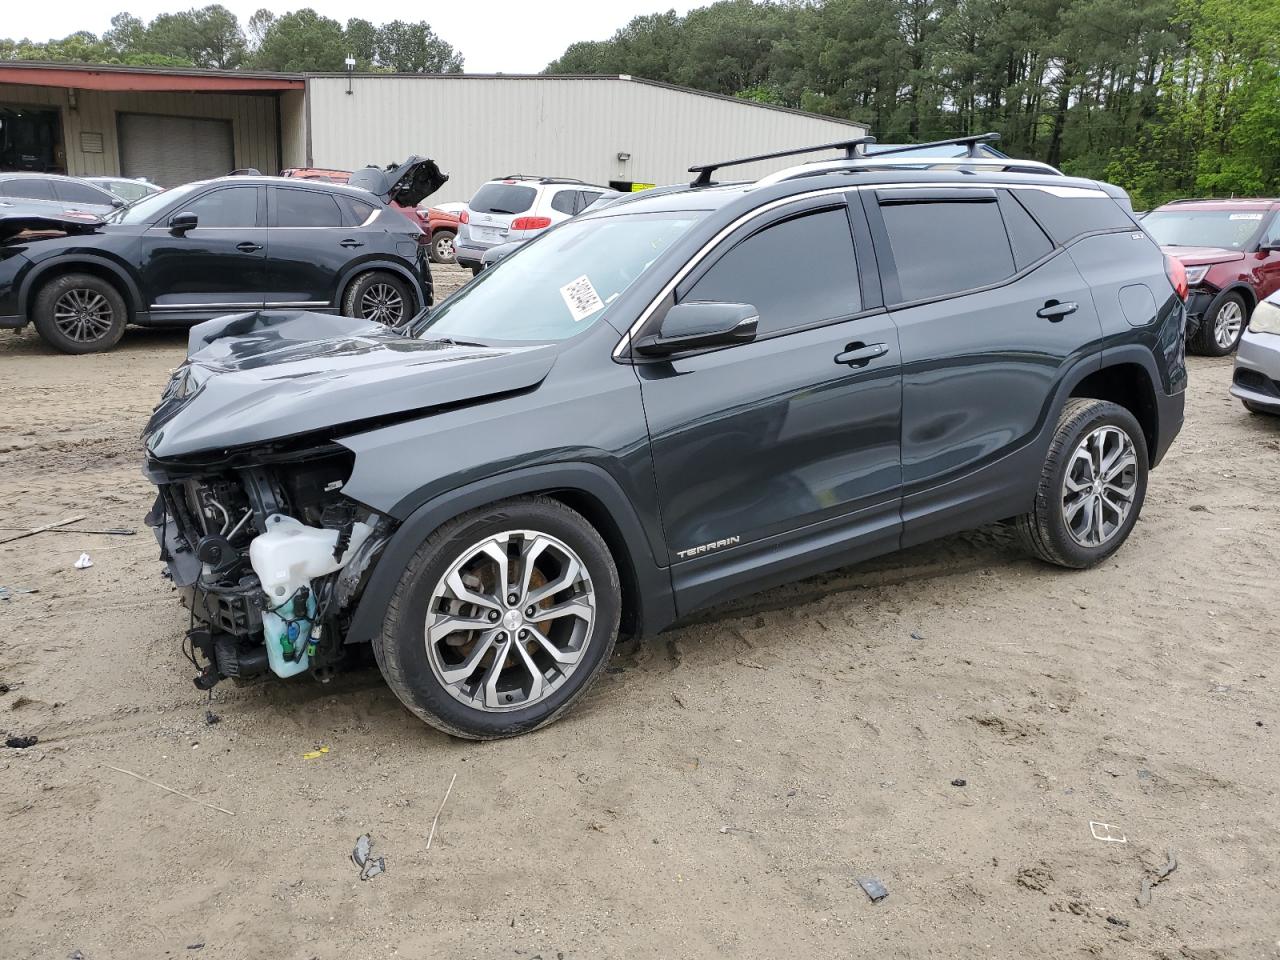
[
  {"x": 27, "y": 189},
  {"x": 354, "y": 212},
  {"x": 306, "y": 208},
  {"x": 1025, "y": 236},
  {"x": 71, "y": 192},
  {"x": 796, "y": 273},
  {"x": 566, "y": 201},
  {"x": 1068, "y": 217},
  {"x": 503, "y": 198},
  {"x": 946, "y": 247}
]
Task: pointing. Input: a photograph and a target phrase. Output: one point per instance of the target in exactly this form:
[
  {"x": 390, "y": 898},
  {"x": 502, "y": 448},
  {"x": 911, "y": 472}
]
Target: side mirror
[
  {"x": 117, "y": 202},
  {"x": 182, "y": 222},
  {"x": 693, "y": 326}
]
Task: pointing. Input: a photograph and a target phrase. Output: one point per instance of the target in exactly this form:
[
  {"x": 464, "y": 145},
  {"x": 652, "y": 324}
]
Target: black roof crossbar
[
  {"x": 972, "y": 142},
  {"x": 850, "y": 148}
]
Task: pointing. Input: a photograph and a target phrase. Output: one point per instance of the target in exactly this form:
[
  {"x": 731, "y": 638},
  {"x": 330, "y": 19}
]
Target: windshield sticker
[
  {"x": 1245, "y": 216},
  {"x": 581, "y": 298}
]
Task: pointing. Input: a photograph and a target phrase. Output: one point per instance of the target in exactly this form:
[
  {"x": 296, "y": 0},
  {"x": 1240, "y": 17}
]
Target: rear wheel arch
[
  {"x": 1127, "y": 384},
  {"x": 354, "y": 274}
]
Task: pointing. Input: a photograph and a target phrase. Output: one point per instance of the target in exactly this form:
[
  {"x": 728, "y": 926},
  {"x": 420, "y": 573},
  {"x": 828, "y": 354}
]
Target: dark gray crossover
[{"x": 659, "y": 406}]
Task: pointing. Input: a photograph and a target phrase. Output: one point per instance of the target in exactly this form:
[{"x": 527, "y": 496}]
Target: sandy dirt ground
[{"x": 721, "y": 790}]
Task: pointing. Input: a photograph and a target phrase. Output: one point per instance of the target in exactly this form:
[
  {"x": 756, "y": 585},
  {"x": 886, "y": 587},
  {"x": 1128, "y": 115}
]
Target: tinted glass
[
  {"x": 1068, "y": 217},
  {"x": 354, "y": 212},
  {"x": 503, "y": 198},
  {"x": 1231, "y": 229},
  {"x": 72, "y": 192},
  {"x": 1025, "y": 236},
  {"x": 129, "y": 191},
  {"x": 560, "y": 284},
  {"x": 942, "y": 248},
  {"x": 28, "y": 188},
  {"x": 795, "y": 273},
  {"x": 589, "y": 197},
  {"x": 305, "y": 208},
  {"x": 231, "y": 207},
  {"x": 566, "y": 201},
  {"x": 148, "y": 208}
]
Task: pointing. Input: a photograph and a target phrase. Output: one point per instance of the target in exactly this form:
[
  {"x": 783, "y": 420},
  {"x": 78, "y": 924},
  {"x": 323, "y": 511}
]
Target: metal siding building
[{"x": 480, "y": 127}]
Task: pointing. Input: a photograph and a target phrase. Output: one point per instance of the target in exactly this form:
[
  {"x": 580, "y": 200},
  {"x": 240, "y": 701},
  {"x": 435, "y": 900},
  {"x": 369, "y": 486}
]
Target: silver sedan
[{"x": 1256, "y": 381}]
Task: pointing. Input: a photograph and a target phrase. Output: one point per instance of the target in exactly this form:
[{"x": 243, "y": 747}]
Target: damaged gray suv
[{"x": 659, "y": 406}]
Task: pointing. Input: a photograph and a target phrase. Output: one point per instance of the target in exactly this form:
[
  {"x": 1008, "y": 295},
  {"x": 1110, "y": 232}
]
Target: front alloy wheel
[{"x": 1221, "y": 326}]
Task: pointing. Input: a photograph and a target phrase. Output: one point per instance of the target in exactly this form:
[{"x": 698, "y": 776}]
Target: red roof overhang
[{"x": 90, "y": 78}]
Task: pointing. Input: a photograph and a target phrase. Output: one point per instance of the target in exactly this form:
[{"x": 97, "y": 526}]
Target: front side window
[
  {"x": 560, "y": 284},
  {"x": 71, "y": 192},
  {"x": 1187, "y": 227},
  {"x": 796, "y": 273},
  {"x": 27, "y": 188},
  {"x": 945, "y": 247},
  {"x": 306, "y": 208},
  {"x": 229, "y": 207},
  {"x": 148, "y": 208}
]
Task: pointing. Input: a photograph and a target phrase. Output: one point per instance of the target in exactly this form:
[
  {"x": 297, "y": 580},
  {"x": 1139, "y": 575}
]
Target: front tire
[
  {"x": 1221, "y": 327},
  {"x": 380, "y": 297},
  {"x": 502, "y": 619},
  {"x": 80, "y": 313},
  {"x": 1092, "y": 486},
  {"x": 442, "y": 246}
]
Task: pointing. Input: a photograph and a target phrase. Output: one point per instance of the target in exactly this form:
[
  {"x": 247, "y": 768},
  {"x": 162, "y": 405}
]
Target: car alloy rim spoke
[
  {"x": 1229, "y": 321},
  {"x": 1099, "y": 487},
  {"x": 509, "y": 621},
  {"x": 382, "y": 303},
  {"x": 83, "y": 315}
]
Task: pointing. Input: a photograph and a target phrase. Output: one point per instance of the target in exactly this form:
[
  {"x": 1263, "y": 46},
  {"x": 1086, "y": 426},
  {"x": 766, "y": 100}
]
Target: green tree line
[
  {"x": 1165, "y": 97},
  {"x": 212, "y": 37}
]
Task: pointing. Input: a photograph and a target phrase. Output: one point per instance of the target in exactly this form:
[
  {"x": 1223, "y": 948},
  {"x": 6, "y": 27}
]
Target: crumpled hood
[
  {"x": 270, "y": 375},
  {"x": 1195, "y": 256}
]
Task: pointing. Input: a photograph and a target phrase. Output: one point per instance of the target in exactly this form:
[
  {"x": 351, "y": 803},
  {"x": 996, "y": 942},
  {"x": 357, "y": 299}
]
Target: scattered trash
[
  {"x": 35, "y": 530},
  {"x": 195, "y": 946},
  {"x": 75, "y": 955},
  {"x": 436, "y": 819},
  {"x": 1154, "y": 880},
  {"x": 362, "y": 857},
  {"x": 84, "y": 563},
  {"x": 1109, "y": 833},
  {"x": 108, "y": 532},
  {"x": 1257, "y": 723},
  {"x": 959, "y": 782},
  {"x": 211, "y": 718},
  {"x": 873, "y": 888},
  {"x": 21, "y": 743},
  {"x": 6, "y": 593},
  {"x": 1198, "y": 508},
  {"x": 680, "y": 702},
  {"x": 177, "y": 793},
  {"x": 1116, "y": 921},
  {"x": 313, "y": 754},
  {"x": 916, "y": 635},
  {"x": 1144, "y": 774}
]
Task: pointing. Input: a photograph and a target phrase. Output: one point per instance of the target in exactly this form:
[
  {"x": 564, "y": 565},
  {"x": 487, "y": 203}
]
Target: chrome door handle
[
  {"x": 1053, "y": 310},
  {"x": 248, "y": 247},
  {"x": 860, "y": 354}
]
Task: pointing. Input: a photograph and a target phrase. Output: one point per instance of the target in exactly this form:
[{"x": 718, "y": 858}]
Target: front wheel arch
[{"x": 50, "y": 272}]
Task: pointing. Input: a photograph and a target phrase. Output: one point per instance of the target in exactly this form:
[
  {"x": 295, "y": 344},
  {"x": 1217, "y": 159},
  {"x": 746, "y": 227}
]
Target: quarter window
[
  {"x": 354, "y": 212},
  {"x": 566, "y": 201},
  {"x": 1025, "y": 236},
  {"x": 306, "y": 208},
  {"x": 796, "y": 273},
  {"x": 229, "y": 207},
  {"x": 1068, "y": 217},
  {"x": 944, "y": 247}
]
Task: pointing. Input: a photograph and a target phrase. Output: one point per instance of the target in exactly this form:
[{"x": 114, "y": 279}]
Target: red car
[
  {"x": 1231, "y": 251},
  {"x": 439, "y": 226}
]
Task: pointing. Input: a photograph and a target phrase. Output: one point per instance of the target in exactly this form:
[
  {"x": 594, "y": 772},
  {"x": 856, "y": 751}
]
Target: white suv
[{"x": 517, "y": 208}]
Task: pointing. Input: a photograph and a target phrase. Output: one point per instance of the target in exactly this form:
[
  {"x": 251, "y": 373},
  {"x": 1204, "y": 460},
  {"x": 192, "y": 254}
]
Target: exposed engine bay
[{"x": 268, "y": 556}]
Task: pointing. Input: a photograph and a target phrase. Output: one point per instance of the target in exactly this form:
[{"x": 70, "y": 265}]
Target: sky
[{"x": 495, "y": 36}]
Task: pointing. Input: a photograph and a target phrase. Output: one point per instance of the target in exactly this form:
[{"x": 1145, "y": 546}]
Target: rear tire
[
  {"x": 1221, "y": 327},
  {"x": 1092, "y": 486},
  {"x": 380, "y": 297},
  {"x": 459, "y": 646},
  {"x": 80, "y": 313},
  {"x": 442, "y": 246}
]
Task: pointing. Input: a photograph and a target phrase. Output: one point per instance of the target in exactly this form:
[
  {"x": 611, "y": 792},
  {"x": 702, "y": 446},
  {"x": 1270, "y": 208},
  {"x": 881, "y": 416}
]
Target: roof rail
[
  {"x": 1221, "y": 200},
  {"x": 872, "y": 162},
  {"x": 850, "y": 148},
  {"x": 539, "y": 178}
]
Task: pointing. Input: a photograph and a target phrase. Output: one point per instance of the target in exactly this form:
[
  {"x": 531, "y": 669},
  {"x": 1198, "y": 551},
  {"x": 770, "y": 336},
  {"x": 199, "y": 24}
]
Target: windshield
[
  {"x": 145, "y": 210},
  {"x": 1230, "y": 229},
  {"x": 560, "y": 284}
]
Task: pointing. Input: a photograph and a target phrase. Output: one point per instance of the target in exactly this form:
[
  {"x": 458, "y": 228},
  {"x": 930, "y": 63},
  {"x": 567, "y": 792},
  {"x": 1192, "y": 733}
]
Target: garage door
[{"x": 174, "y": 150}]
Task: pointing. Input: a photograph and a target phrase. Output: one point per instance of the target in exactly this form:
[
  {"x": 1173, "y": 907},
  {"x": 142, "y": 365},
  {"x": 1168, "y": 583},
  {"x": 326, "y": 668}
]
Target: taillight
[
  {"x": 1177, "y": 275},
  {"x": 530, "y": 223},
  {"x": 464, "y": 217}
]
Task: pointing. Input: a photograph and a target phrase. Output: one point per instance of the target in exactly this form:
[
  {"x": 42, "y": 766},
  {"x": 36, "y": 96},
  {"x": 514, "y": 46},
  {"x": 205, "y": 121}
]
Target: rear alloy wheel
[
  {"x": 1092, "y": 487},
  {"x": 381, "y": 297},
  {"x": 80, "y": 313},
  {"x": 442, "y": 246},
  {"x": 501, "y": 620},
  {"x": 1221, "y": 327}
]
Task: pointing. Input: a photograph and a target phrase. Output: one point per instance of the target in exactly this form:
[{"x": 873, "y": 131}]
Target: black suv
[
  {"x": 659, "y": 406},
  {"x": 237, "y": 243}
]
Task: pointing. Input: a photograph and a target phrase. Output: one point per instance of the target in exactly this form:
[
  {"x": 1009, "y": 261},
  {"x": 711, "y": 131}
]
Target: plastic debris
[
  {"x": 873, "y": 888},
  {"x": 21, "y": 743},
  {"x": 373, "y": 868},
  {"x": 84, "y": 563},
  {"x": 1106, "y": 832},
  {"x": 959, "y": 782},
  {"x": 1153, "y": 880},
  {"x": 313, "y": 754},
  {"x": 211, "y": 718},
  {"x": 917, "y": 635},
  {"x": 362, "y": 857},
  {"x": 6, "y": 593}
]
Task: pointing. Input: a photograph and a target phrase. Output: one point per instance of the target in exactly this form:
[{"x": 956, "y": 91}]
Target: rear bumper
[
  {"x": 1257, "y": 371},
  {"x": 1171, "y": 413},
  {"x": 468, "y": 254}
]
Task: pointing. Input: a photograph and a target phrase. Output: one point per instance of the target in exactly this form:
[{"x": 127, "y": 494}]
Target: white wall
[{"x": 477, "y": 128}]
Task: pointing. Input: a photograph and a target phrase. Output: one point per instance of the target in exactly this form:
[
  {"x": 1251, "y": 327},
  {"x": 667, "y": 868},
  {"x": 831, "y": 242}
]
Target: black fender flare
[
  {"x": 348, "y": 276},
  {"x": 41, "y": 271},
  {"x": 1240, "y": 287},
  {"x": 650, "y": 583}
]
